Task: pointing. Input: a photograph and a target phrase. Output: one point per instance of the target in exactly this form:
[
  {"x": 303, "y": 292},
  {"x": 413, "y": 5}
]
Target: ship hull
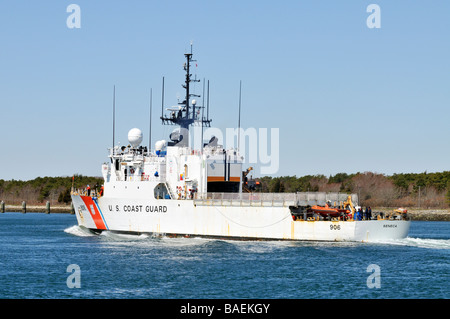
[{"x": 187, "y": 218}]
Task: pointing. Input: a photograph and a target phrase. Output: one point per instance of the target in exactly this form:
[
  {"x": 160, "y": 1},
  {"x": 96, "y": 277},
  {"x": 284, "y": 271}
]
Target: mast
[
  {"x": 185, "y": 115},
  {"x": 203, "y": 109}
]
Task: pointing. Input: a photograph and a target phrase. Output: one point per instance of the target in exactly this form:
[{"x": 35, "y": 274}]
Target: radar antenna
[{"x": 189, "y": 113}]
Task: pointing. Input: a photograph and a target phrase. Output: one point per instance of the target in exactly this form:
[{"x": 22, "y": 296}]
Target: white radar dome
[
  {"x": 135, "y": 137},
  {"x": 159, "y": 145}
]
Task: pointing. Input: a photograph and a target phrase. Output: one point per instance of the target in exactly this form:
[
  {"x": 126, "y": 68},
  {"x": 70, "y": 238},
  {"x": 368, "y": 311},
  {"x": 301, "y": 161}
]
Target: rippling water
[{"x": 36, "y": 250}]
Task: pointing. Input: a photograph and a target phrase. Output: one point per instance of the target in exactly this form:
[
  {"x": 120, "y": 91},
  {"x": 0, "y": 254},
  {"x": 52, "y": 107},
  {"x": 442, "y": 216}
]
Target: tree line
[
  {"x": 42, "y": 189},
  {"x": 374, "y": 189}
]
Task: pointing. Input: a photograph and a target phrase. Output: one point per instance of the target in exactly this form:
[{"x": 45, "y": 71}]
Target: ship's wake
[
  {"x": 79, "y": 231},
  {"x": 251, "y": 246},
  {"x": 110, "y": 236},
  {"x": 429, "y": 243}
]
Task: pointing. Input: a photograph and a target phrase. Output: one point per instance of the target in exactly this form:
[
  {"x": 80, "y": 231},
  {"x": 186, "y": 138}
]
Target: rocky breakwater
[
  {"x": 424, "y": 214},
  {"x": 429, "y": 214}
]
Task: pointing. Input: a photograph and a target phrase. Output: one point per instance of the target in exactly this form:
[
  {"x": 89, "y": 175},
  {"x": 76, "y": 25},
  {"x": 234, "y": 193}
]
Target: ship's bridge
[{"x": 182, "y": 170}]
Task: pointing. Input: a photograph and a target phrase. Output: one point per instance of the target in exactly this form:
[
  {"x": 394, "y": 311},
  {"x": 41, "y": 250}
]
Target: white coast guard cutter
[{"x": 180, "y": 191}]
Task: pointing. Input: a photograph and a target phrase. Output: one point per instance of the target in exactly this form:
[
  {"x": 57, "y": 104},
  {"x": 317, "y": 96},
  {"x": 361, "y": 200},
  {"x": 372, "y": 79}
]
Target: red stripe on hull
[{"x": 93, "y": 210}]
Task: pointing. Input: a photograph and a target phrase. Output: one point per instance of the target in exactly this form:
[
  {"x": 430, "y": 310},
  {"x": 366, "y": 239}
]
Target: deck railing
[{"x": 273, "y": 199}]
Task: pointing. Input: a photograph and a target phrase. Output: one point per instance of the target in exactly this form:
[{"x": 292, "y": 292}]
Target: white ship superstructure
[{"x": 177, "y": 190}]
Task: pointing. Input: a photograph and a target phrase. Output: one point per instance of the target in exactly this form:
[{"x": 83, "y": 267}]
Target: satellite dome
[
  {"x": 135, "y": 137},
  {"x": 159, "y": 145}
]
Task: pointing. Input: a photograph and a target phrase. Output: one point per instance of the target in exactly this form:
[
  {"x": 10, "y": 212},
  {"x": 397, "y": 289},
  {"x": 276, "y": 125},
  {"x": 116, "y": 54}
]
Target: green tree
[{"x": 64, "y": 196}]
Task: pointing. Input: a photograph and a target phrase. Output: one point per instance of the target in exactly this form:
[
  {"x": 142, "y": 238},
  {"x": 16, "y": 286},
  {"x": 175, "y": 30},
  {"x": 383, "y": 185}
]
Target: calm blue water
[{"x": 36, "y": 249}]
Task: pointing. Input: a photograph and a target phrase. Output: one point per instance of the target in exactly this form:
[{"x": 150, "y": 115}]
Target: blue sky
[{"x": 346, "y": 98}]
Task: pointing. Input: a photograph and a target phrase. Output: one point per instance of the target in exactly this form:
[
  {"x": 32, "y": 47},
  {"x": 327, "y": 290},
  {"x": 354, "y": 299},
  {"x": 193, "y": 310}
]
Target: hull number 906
[{"x": 335, "y": 227}]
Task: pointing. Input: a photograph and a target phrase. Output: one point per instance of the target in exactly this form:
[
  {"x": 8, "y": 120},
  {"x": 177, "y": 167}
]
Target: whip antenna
[
  {"x": 114, "y": 115},
  {"x": 239, "y": 119},
  {"x": 150, "y": 133}
]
